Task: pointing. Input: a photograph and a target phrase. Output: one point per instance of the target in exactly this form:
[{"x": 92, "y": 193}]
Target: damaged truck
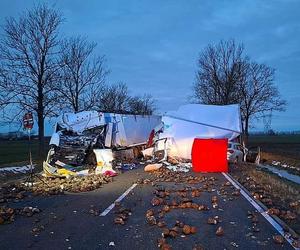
[
  {"x": 88, "y": 141},
  {"x": 91, "y": 141}
]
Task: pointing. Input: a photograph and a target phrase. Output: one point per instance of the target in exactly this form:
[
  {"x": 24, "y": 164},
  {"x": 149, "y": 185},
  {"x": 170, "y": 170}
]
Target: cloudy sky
[{"x": 153, "y": 45}]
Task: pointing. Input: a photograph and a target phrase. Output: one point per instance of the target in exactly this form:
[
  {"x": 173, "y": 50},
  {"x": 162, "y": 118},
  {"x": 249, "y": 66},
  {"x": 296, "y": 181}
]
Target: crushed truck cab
[{"x": 78, "y": 137}]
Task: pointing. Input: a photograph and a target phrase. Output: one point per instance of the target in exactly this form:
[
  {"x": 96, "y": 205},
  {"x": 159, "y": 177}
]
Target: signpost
[{"x": 28, "y": 123}]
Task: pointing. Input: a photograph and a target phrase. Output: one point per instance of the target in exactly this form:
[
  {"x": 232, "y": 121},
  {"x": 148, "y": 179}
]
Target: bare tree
[
  {"x": 114, "y": 98},
  {"x": 141, "y": 105},
  {"x": 226, "y": 76},
  {"x": 83, "y": 75},
  {"x": 28, "y": 51},
  {"x": 258, "y": 94},
  {"x": 220, "y": 71}
]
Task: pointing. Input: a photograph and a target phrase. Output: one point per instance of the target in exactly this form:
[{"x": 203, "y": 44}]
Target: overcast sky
[{"x": 153, "y": 45}]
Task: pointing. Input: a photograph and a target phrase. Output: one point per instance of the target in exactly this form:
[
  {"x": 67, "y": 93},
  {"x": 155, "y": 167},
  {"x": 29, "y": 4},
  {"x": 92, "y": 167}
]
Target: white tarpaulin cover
[{"x": 199, "y": 121}]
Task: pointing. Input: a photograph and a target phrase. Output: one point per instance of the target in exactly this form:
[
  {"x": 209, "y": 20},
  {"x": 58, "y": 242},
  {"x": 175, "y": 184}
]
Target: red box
[{"x": 210, "y": 155}]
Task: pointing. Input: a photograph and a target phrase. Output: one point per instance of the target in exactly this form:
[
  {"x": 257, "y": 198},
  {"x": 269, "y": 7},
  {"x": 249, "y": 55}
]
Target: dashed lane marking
[{"x": 107, "y": 210}]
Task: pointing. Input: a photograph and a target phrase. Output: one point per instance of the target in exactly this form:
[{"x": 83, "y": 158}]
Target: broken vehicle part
[{"x": 78, "y": 135}]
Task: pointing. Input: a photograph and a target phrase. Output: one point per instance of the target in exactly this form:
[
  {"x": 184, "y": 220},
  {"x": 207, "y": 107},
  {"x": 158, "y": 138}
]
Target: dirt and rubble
[
  {"x": 51, "y": 186},
  {"x": 74, "y": 184},
  {"x": 13, "y": 193},
  {"x": 8, "y": 214},
  {"x": 121, "y": 214}
]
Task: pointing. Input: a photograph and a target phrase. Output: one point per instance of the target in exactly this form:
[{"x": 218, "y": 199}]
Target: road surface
[{"x": 68, "y": 223}]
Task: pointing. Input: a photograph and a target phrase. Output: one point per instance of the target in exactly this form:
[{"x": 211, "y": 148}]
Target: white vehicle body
[
  {"x": 235, "y": 152},
  {"x": 122, "y": 130},
  {"x": 191, "y": 121}
]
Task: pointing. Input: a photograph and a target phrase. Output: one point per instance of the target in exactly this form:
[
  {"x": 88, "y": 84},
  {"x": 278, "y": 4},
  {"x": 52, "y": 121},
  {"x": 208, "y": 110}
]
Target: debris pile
[
  {"x": 94, "y": 211},
  {"x": 74, "y": 184},
  {"x": 7, "y": 214},
  {"x": 181, "y": 167},
  {"x": 179, "y": 229},
  {"x": 122, "y": 215},
  {"x": 166, "y": 175},
  {"x": 178, "y": 164},
  {"x": 169, "y": 199},
  {"x": 12, "y": 192}
]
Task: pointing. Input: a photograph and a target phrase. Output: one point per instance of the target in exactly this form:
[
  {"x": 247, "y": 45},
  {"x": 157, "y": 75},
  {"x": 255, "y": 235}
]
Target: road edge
[{"x": 277, "y": 223}]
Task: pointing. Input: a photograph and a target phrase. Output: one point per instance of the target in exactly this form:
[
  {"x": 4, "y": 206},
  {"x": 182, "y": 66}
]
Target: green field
[
  {"x": 12, "y": 152},
  {"x": 280, "y": 145},
  {"x": 282, "y": 148},
  {"x": 274, "y": 139}
]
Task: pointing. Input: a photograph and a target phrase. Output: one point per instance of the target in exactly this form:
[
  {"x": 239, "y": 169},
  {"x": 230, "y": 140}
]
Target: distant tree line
[
  {"x": 116, "y": 99},
  {"x": 225, "y": 75},
  {"x": 46, "y": 73}
]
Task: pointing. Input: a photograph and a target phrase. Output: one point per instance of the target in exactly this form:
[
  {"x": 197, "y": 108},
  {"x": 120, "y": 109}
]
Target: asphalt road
[{"x": 69, "y": 225}]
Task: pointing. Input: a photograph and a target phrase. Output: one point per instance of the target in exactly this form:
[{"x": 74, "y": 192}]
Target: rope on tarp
[{"x": 204, "y": 124}]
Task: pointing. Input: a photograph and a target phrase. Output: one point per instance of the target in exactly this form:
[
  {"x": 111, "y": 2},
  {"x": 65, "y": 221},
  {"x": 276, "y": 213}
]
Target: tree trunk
[
  {"x": 41, "y": 135},
  {"x": 246, "y": 131},
  {"x": 40, "y": 114},
  {"x": 76, "y": 106}
]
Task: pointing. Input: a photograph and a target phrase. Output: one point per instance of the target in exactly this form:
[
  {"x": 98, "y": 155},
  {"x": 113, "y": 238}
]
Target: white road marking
[
  {"x": 107, "y": 210},
  {"x": 273, "y": 222}
]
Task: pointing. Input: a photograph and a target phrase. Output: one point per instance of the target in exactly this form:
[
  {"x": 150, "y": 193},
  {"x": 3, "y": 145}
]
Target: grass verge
[
  {"x": 17, "y": 152},
  {"x": 280, "y": 196}
]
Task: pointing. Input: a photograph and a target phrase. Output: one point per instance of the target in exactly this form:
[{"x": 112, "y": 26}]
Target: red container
[{"x": 210, "y": 155}]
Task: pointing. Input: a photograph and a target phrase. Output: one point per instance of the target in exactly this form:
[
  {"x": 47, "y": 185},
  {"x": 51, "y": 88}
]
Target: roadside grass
[
  {"x": 17, "y": 152},
  {"x": 282, "y": 192}
]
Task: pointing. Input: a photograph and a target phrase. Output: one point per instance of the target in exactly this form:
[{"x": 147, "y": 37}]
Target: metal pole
[{"x": 30, "y": 155}]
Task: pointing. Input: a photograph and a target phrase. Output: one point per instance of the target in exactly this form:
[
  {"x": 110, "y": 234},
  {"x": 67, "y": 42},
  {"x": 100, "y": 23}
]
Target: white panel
[
  {"x": 108, "y": 137},
  {"x": 78, "y": 122},
  {"x": 200, "y": 121}
]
